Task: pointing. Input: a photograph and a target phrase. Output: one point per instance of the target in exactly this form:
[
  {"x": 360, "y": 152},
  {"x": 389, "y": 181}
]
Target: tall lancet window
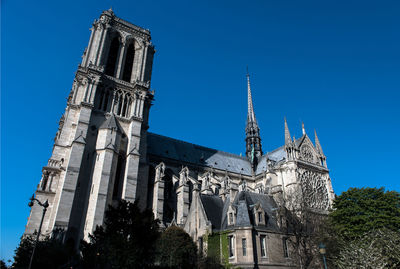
[
  {"x": 130, "y": 56},
  {"x": 112, "y": 56}
]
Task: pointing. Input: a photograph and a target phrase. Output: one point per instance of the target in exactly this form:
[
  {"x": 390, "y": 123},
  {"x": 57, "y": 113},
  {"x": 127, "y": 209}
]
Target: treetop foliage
[
  {"x": 375, "y": 249},
  {"x": 358, "y": 211},
  {"x": 176, "y": 249},
  {"x": 50, "y": 253},
  {"x": 126, "y": 240}
]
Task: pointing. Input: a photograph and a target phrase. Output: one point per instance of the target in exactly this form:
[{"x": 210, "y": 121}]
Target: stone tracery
[{"x": 314, "y": 189}]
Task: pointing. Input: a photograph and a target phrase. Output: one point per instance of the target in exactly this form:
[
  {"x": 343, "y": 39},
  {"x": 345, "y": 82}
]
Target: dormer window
[
  {"x": 260, "y": 217},
  {"x": 231, "y": 216}
]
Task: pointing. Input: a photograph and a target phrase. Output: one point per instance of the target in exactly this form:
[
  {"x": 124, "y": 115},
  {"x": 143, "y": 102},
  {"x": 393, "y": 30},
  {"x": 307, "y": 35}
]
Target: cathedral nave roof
[{"x": 182, "y": 151}]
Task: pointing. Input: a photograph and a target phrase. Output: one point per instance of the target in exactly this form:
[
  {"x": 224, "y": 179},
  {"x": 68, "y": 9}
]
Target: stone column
[
  {"x": 144, "y": 59},
  {"x": 93, "y": 47},
  {"x": 132, "y": 162},
  {"x": 121, "y": 59},
  {"x": 93, "y": 91},
  {"x": 89, "y": 48},
  {"x": 195, "y": 205},
  {"x": 50, "y": 181},
  {"x": 135, "y": 105},
  {"x": 141, "y": 105},
  {"x": 136, "y": 64},
  {"x": 100, "y": 48},
  {"x": 88, "y": 83},
  {"x": 158, "y": 193},
  {"x": 182, "y": 194}
]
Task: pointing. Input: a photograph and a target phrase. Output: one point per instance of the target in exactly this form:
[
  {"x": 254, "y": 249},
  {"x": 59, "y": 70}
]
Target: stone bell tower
[{"x": 100, "y": 147}]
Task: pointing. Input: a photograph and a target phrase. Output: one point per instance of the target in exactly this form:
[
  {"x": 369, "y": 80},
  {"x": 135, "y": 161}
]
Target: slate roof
[
  {"x": 181, "y": 151},
  {"x": 242, "y": 214},
  {"x": 213, "y": 205},
  {"x": 178, "y": 150},
  {"x": 251, "y": 199},
  {"x": 216, "y": 210},
  {"x": 276, "y": 155}
]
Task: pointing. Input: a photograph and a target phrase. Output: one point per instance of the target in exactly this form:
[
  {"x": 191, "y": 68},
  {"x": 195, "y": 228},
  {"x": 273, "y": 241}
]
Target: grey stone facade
[{"x": 103, "y": 153}]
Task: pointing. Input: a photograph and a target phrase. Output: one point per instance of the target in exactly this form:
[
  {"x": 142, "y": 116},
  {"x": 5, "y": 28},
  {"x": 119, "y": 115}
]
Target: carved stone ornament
[
  {"x": 104, "y": 19},
  {"x": 183, "y": 176},
  {"x": 206, "y": 181},
  {"x": 306, "y": 153},
  {"x": 315, "y": 193},
  {"x": 243, "y": 186},
  {"x": 160, "y": 169},
  {"x": 226, "y": 182}
]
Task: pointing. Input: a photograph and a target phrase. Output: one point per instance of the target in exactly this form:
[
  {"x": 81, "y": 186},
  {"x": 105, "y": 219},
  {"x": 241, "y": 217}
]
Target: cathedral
[{"x": 103, "y": 152}]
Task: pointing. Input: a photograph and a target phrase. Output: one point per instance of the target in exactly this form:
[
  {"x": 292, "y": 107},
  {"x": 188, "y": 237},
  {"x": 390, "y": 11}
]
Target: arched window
[
  {"x": 130, "y": 55},
  {"x": 103, "y": 99},
  {"x": 112, "y": 56},
  {"x": 120, "y": 103},
  {"x": 106, "y": 99},
  {"x": 44, "y": 181},
  {"x": 119, "y": 177},
  {"x": 100, "y": 99},
  {"x": 169, "y": 206},
  {"x": 128, "y": 106}
]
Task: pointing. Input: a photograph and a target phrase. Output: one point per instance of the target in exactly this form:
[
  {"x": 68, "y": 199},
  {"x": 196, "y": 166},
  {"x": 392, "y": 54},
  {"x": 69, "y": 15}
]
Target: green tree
[
  {"x": 358, "y": 211},
  {"x": 364, "y": 229},
  {"x": 50, "y": 253},
  {"x": 176, "y": 249},
  {"x": 375, "y": 249},
  {"x": 126, "y": 240},
  {"x": 3, "y": 265}
]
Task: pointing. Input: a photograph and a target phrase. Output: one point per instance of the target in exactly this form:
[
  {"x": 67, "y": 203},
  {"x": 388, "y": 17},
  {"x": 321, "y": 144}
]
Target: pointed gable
[{"x": 111, "y": 123}]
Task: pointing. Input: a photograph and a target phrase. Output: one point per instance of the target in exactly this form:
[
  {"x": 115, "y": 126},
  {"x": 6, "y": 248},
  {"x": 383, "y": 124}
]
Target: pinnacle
[
  {"x": 288, "y": 139},
  {"x": 250, "y": 112},
  {"x": 317, "y": 143}
]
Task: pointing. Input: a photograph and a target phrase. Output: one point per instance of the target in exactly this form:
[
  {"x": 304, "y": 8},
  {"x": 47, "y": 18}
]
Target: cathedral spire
[
  {"x": 250, "y": 110},
  {"x": 253, "y": 140},
  {"x": 317, "y": 144},
  {"x": 288, "y": 139}
]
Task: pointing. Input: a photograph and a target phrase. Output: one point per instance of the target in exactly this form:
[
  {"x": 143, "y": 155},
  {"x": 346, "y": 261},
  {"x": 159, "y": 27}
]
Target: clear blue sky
[{"x": 333, "y": 64}]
